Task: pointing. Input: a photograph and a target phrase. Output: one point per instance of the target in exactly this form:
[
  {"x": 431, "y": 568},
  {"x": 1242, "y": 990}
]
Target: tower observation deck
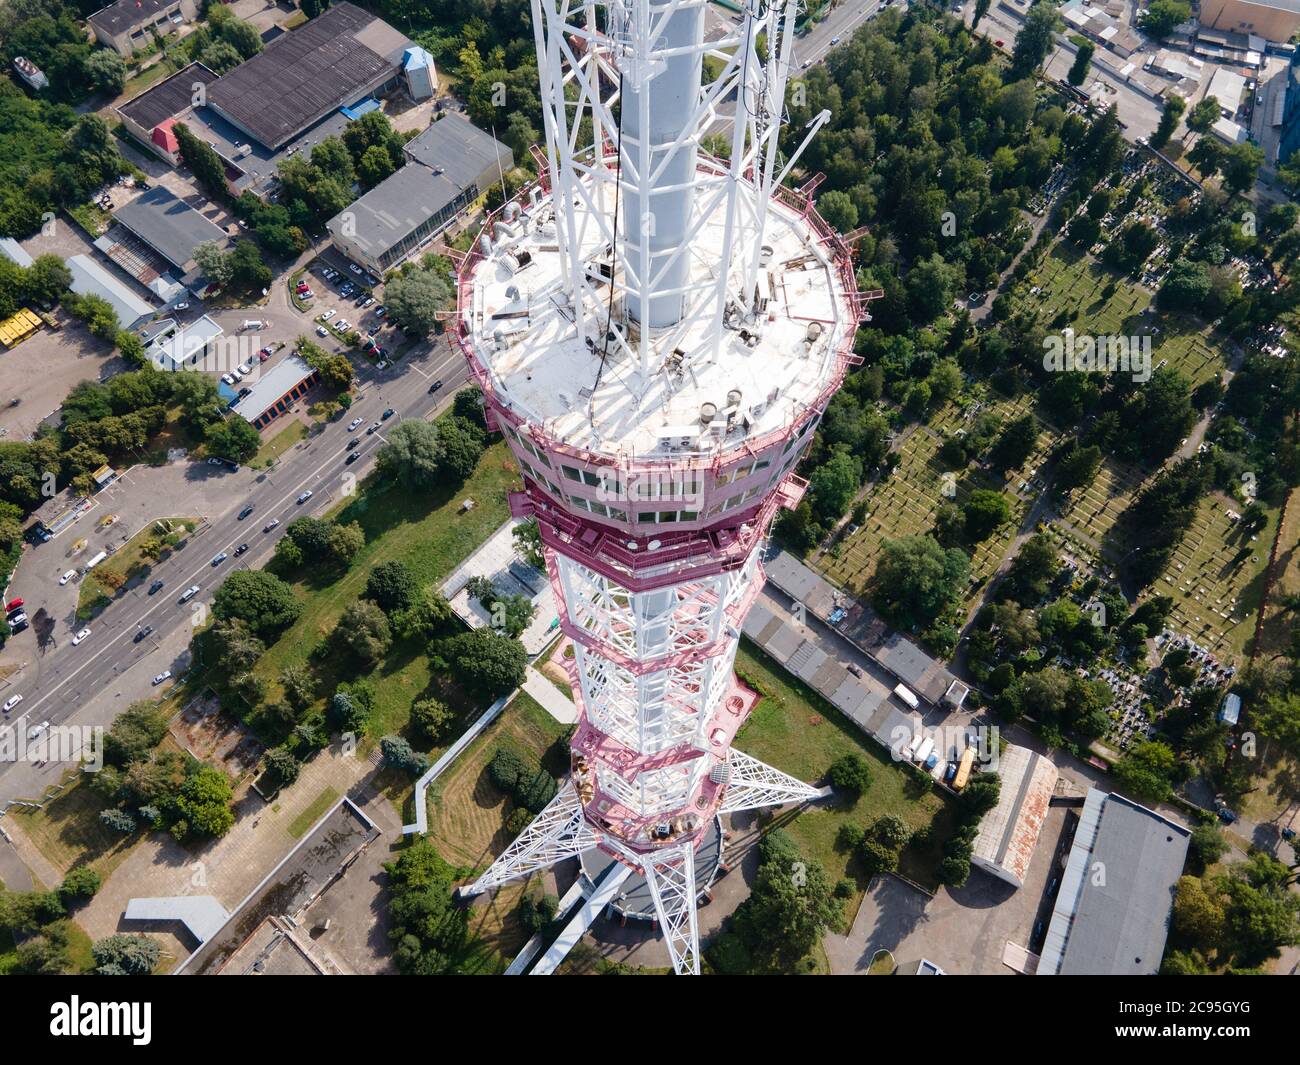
[{"x": 657, "y": 333}]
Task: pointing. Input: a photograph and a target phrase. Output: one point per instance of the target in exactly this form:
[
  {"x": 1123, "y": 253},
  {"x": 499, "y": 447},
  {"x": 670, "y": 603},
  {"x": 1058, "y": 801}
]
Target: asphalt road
[{"x": 69, "y": 675}]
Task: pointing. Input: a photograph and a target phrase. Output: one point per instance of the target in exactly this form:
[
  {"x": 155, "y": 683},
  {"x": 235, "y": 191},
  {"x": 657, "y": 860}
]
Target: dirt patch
[{"x": 214, "y": 737}]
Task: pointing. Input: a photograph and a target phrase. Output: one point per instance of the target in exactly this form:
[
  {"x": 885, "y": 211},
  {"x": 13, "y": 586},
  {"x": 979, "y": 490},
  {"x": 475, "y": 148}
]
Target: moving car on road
[
  {"x": 435, "y": 386},
  {"x": 270, "y": 525},
  {"x": 189, "y": 593},
  {"x": 12, "y": 702},
  {"x": 144, "y": 633},
  {"x": 387, "y": 414},
  {"x": 220, "y": 558},
  {"x": 304, "y": 497},
  {"x": 240, "y": 550},
  {"x": 372, "y": 428},
  {"x": 156, "y": 587},
  {"x": 246, "y": 512},
  {"x": 353, "y": 424}
]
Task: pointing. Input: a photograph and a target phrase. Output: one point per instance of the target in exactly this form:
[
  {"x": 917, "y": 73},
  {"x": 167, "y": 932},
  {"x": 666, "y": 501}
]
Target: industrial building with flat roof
[
  {"x": 449, "y": 166},
  {"x": 275, "y": 392},
  {"x": 1009, "y": 832},
  {"x": 1274, "y": 20},
  {"x": 340, "y": 57},
  {"x": 153, "y": 239},
  {"x": 89, "y": 278},
  {"x": 1115, "y": 924}
]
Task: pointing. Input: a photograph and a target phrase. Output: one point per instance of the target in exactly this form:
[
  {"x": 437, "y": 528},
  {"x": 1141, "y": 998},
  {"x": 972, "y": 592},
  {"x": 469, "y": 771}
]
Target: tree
[
  {"x": 1016, "y": 444},
  {"x": 429, "y": 930},
  {"x": 392, "y": 586},
  {"x": 363, "y": 629},
  {"x": 375, "y": 165},
  {"x": 486, "y": 662},
  {"x": 916, "y": 579},
  {"x": 414, "y": 299},
  {"x": 205, "y": 801},
  {"x": 398, "y": 754},
  {"x": 1204, "y": 115},
  {"x": 1078, "y": 467},
  {"x": 412, "y": 455},
  {"x": 838, "y": 210},
  {"x": 1147, "y": 771},
  {"x": 118, "y": 820},
  {"x": 1207, "y": 845},
  {"x": 527, "y": 539},
  {"x": 834, "y": 483},
  {"x": 233, "y": 438},
  {"x": 126, "y": 955},
  {"x": 207, "y": 167},
  {"x": 1169, "y": 118},
  {"x": 983, "y": 512},
  {"x": 1241, "y": 167},
  {"x": 850, "y": 774},
  {"x": 1079, "y": 69},
  {"x": 259, "y": 599},
  {"x": 299, "y": 684},
  {"x": 283, "y": 766},
  {"x": 1161, "y": 16},
  {"x": 981, "y": 9},
  {"x": 80, "y": 883},
  {"x": 462, "y": 446},
  {"x": 248, "y": 271},
  {"x": 1034, "y": 40},
  {"x": 105, "y": 71},
  {"x": 1185, "y": 287},
  {"x": 213, "y": 263},
  {"x": 135, "y": 733},
  {"x": 431, "y": 718}
]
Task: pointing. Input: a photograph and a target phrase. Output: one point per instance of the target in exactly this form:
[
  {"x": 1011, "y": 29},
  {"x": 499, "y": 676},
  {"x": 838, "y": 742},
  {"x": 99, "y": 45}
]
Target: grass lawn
[
  {"x": 797, "y": 731},
  {"x": 67, "y": 831},
  {"x": 282, "y": 442},
  {"x": 467, "y": 817},
  {"x": 432, "y": 536},
  {"x": 299, "y": 826},
  {"x": 99, "y": 587},
  {"x": 8, "y": 952}
]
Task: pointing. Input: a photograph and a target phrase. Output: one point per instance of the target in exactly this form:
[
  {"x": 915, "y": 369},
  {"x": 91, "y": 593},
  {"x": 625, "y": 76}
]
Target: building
[
  {"x": 18, "y": 327},
  {"x": 305, "y": 86},
  {"x": 1227, "y": 88},
  {"x": 449, "y": 166},
  {"x": 1274, "y": 20},
  {"x": 340, "y": 57},
  {"x": 131, "y": 24},
  {"x": 153, "y": 239},
  {"x": 1115, "y": 925},
  {"x": 90, "y": 278},
  {"x": 276, "y": 391},
  {"x": 657, "y": 423},
  {"x": 189, "y": 348},
  {"x": 14, "y": 252},
  {"x": 1009, "y": 832}
]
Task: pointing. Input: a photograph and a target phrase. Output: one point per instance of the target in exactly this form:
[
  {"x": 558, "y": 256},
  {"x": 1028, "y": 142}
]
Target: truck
[
  {"x": 924, "y": 751},
  {"x": 96, "y": 561},
  {"x": 963, "y": 769},
  {"x": 905, "y": 695}
]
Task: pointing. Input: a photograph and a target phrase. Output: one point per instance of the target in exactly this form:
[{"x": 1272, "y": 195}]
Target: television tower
[{"x": 657, "y": 331}]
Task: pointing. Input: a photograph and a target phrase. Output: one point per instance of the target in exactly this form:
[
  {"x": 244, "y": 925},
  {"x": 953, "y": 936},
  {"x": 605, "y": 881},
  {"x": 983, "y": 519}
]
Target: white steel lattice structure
[{"x": 657, "y": 333}]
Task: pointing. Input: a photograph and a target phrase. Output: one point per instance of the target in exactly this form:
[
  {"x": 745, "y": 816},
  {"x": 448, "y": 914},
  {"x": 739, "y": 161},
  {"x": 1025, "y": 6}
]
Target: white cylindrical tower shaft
[{"x": 660, "y": 98}]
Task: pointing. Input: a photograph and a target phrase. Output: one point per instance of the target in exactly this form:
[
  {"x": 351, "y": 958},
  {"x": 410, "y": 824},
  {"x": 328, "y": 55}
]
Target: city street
[{"x": 58, "y": 686}]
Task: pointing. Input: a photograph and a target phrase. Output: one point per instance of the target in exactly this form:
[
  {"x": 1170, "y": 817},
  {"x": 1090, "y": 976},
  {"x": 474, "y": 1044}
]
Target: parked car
[
  {"x": 80, "y": 637},
  {"x": 189, "y": 593},
  {"x": 228, "y": 378},
  {"x": 217, "y": 559},
  {"x": 166, "y": 674},
  {"x": 342, "y": 326},
  {"x": 854, "y": 668},
  {"x": 12, "y": 702},
  {"x": 355, "y": 269},
  {"x": 13, "y": 605},
  {"x": 321, "y": 331},
  {"x": 246, "y": 512},
  {"x": 370, "y": 301},
  {"x": 382, "y": 364},
  {"x": 67, "y": 576},
  {"x": 327, "y": 315},
  {"x": 380, "y": 311},
  {"x": 18, "y": 624},
  {"x": 304, "y": 497}
]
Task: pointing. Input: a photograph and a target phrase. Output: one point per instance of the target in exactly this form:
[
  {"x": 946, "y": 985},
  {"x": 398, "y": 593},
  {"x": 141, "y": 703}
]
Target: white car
[
  {"x": 228, "y": 378},
  {"x": 327, "y": 315},
  {"x": 67, "y": 576},
  {"x": 189, "y": 593},
  {"x": 321, "y": 331},
  {"x": 245, "y": 368},
  {"x": 342, "y": 325},
  {"x": 305, "y": 496},
  {"x": 353, "y": 424},
  {"x": 355, "y": 269},
  {"x": 36, "y": 730},
  {"x": 80, "y": 636},
  {"x": 166, "y": 674},
  {"x": 12, "y": 703},
  {"x": 240, "y": 372}
]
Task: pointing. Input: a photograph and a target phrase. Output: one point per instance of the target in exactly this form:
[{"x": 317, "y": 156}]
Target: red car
[{"x": 13, "y": 604}]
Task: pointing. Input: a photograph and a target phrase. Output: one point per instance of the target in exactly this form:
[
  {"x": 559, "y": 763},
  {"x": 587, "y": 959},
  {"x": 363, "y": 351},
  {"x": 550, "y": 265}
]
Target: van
[
  {"x": 96, "y": 561},
  {"x": 253, "y": 323},
  {"x": 905, "y": 695}
]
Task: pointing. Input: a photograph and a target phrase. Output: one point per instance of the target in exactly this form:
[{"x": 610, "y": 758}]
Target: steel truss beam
[
  {"x": 753, "y": 784},
  {"x": 670, "y": 875},
  {"x": 558, "y": 832}
]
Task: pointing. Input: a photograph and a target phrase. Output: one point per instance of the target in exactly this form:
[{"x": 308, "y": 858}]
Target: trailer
[
  {"x": 904, "y": 693},
  {"x": 924, "y": 751}
]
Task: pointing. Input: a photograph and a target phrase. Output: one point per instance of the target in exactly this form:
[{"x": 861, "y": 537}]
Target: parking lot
[{"x": 962, "y": 930}]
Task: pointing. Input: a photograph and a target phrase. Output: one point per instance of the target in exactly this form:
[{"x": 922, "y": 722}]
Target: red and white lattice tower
[{"x": 657, "y": 333}]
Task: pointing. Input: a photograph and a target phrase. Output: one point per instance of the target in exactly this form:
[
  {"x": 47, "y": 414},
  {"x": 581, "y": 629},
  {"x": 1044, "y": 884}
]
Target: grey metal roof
[
  {"x": 127, "y": 14},
  {"x": 1112, "y": 913},
  {"x": 170, "y": 97},
  {"x": 304, "y": 74},
  {"x": 90, "y": 278},
  {"x": 169, "y": 225},
  {"x": 459, "y": 148},
  {"x": 202, "y": 915}
]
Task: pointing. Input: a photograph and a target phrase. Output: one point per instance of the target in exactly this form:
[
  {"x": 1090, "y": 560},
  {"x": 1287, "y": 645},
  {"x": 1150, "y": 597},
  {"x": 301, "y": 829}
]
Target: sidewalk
[{"x": 553, "y": 701}]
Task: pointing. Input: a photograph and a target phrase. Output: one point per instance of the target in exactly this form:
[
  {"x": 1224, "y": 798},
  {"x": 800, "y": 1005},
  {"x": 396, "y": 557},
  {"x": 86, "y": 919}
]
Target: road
[
  {"x": 69, "y": 676},
  {"x": 843, "y": 20}
]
